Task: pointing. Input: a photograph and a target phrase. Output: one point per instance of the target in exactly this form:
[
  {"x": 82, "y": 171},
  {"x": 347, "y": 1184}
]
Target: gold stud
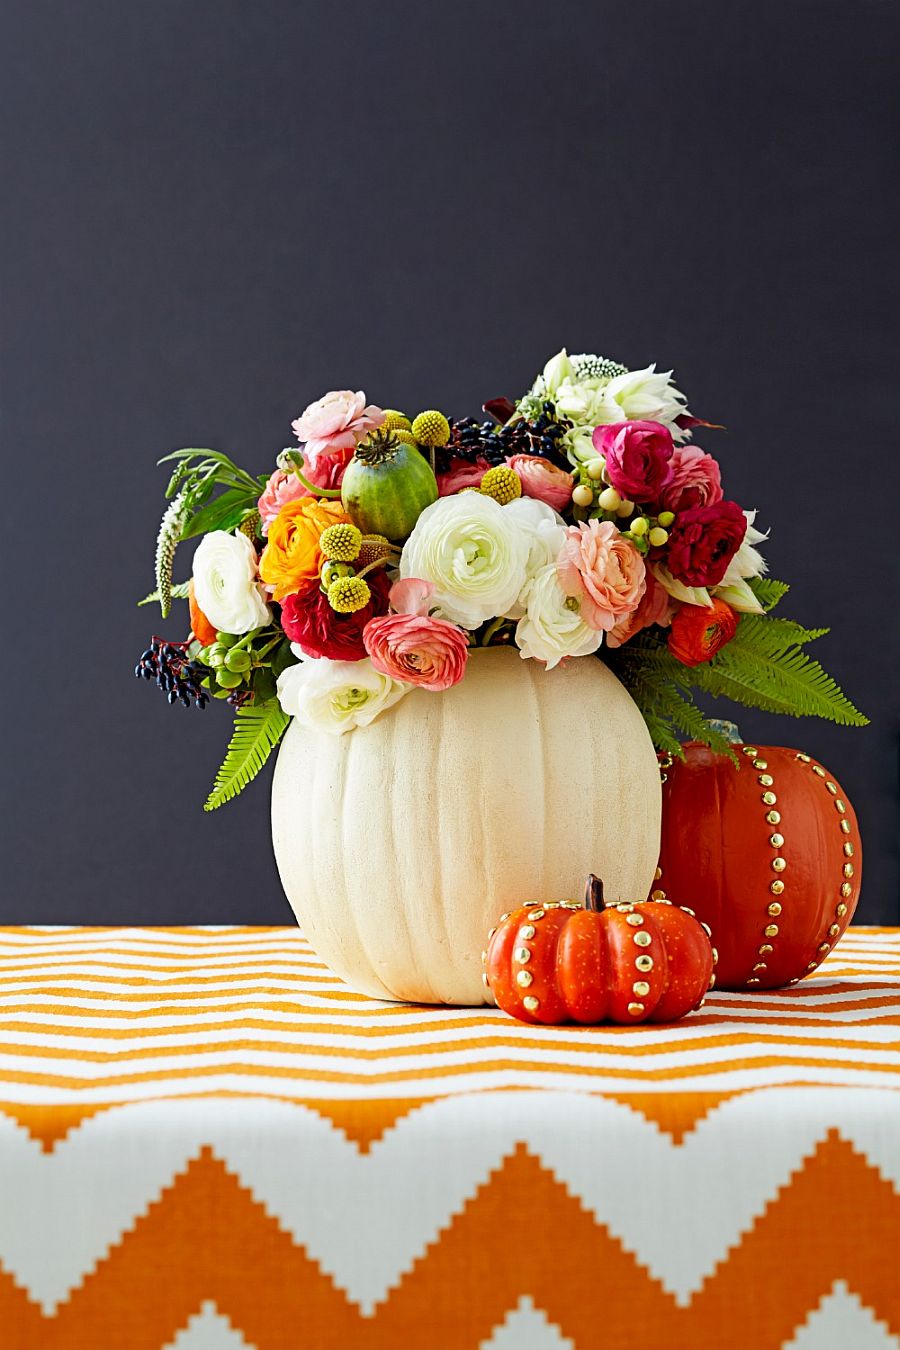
[
  {"x": 774, "y": 909},
  {"x": 706, "y": 928},
  {"x": 776, "y": 887},
  {"x": 760, "y": 764},
  {"x": 504, "y": 917},
  {"x": 834, "y": 930},
  {"x": 625, "y": 908},
  {"x": 765, "y": 949},
  {"x": 846, "y": 890},
  {"x": 754, "y": 979},
  {"x": 553, "y": 904},
  {"x": 776, "y": 840},
  {"x": 483, "y": 957},
  {"x": 642, "y": 939},
  {"x": 750, "y": 750},
  {"x": 535, "y": 915},
  {"x": 522, "y": 954},
  {"x": 845, "y": 826},
  {"x": 769, "y": 798},
  {"x": 635, "y": 1009},
  {"x": 657, "y": 874},
  {"x": 848, "y": 848},
  {"x": 641, "y": 988},
  {"x": 848, "y": 869},
  {"x": 527, "y": 931},
  {"x": 817, "y": 769},
  {"x": 635, "y": 920},
  {"x": 684, "y": 909},
  {"x": 812, "y": 965},
  {"x": 531, "y": 1003},
  {"x": 839, "y": 806},
  {"x": 484, "y": 980},
  {"x": 832, "y": 788},
  {"x": 771, "y": 930},
  {"x": 569, "y": 904},
  {"x": 715, "y": 955},
  {"x": 644, "y": 963},
  {"x": 803, "y": 758},
  {"x": 765, "y": 780},
  {"x": 778, "y": 864},
  {"x": 760, "y": 965},
  {"x": 841, "y": 911},
  {"x": 824, "y": 947},
  {"x": 773, "y": 817},
  {"x": 712, "y": 981},
  {"x": 491, "y": 933},
  {"x": 657, "y": 895},
  {"x": 524, "y": 978}
]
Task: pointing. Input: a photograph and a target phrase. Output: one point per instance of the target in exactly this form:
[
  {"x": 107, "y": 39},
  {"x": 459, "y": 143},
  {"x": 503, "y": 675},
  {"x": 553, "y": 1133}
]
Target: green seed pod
[
  {"x": 333, "y": 571},
  {"x": 226, "y": 639},
  {"x": 238, "y": 660},
  {"x": 228, "y": 679}
]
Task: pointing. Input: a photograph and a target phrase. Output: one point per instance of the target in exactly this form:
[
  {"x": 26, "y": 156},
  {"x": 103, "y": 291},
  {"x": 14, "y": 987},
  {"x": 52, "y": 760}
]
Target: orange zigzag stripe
[{"x": 523, "y": 1232}]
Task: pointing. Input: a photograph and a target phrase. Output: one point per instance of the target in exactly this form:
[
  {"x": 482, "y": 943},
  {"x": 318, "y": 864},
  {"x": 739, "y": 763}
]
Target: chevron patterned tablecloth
[{"x": 207, "y": 1142}]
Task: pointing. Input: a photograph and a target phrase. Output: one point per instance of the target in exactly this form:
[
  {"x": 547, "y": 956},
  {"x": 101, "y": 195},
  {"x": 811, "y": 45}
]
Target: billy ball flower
[
  {"x": 431, "y": 428},
  {"x": 348, "y": 594},
  {"x": 502, "y": 483},
  {"x": 340, "y": 543},
  {"x": 293, "y": 554}
]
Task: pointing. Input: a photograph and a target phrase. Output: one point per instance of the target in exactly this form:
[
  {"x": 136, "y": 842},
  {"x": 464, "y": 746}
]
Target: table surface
[{"x": 361, "y": 1148}]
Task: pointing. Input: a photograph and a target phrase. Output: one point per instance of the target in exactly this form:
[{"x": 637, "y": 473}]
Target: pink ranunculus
[
  {"x": 703, "y": 541},
  {"x": 337, "y": 421},
  {"x": 696, "y": 480},
  {"x": 543, "y": 480},
  {"x": 430, "y": 653},
  {"x": 603, "y": 570},
  {"x": 655, "y": 606},
  {"x": 638, "y": 456},
  {"x": 462, "y": 473},
  {"x": 327, "y": 472}
]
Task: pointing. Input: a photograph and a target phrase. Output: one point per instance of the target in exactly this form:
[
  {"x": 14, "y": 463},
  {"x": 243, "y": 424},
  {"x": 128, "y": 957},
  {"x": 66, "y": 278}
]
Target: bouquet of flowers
[{"x": 581, "y": 521}]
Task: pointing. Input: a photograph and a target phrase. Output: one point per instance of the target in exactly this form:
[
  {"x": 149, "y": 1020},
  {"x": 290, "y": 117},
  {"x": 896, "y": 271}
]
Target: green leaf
[
  {"x": 224, "y": 513},
  {"x": 257, "y": 730},
  {"x": 768, "y": 591},
  {"x": 179, "y": 591}
]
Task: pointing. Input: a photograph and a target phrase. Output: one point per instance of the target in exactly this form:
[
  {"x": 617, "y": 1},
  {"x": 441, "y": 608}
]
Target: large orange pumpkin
[
  {"x": 563, "y": 962},
  {"x": 768, "y": 853}
]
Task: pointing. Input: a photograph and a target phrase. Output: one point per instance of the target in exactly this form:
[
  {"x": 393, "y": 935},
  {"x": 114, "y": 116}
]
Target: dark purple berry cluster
[
  {"x": 174, "y": 672},
  {"x": 540, "y": 436}
]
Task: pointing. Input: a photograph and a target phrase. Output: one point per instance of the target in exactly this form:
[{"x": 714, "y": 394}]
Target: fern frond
[
  {"x": 178, "y": 591},
  {"x": 768, "y": 591},
  {"x": 776, "y": 680},
  {"x": 257, "y": 730},
  {"x": 768, "y": 636}
]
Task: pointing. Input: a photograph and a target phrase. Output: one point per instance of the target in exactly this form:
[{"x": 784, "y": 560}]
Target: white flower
[
  {"x": 225, "y": 583},
  {"x": 474, "y": 553},
  {"x": 335, "y": 696},
  {"x": 748, "y": 561},
  {"x": 689, "y": 595},
  {"x": 552, "y": 626},
  {"x": 740, "y": 597},
  {"x": 545, "y": 531},
  {"x": 644, "y": 395},
  {"x": 557, "y": 371}
]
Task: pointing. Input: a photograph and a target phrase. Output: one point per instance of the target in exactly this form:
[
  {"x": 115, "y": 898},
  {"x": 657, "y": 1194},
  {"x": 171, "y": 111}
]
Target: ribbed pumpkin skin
[
  {"x": 401, "y": 843},
  {"x": 717, "y": 856}
]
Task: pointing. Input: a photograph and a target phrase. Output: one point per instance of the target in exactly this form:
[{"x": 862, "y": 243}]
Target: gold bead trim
[
  {"x": 635, "y": 920},
  {"x": 535, "y": 915},
  {"x": 642, "y": 939},
  {"x": 769, "y": 798},
  {"x": 773, "y": 817},
  {"x": 776, "y": 840},
  {"x": 771, "y": 930},
  {"x": 775, "y": 909},
  {"x": 531, "y": 1003},
  {"x": 846, "y": 890},
  {"x": 522, "y": 954},
  {"x": 524, "y": 978},
  {"x": 765, "y": 948},
  {"x": 841, "y": 909},
  {"x": 750, "y": 750},
  {"x": 657, "y": 895},
  {"x": 644, "y": 963},
  {"x": 778, "y": 864},
  {"x": 848, "y": 847},
  {"x": 776, "y": 887},
  {"x": 845, "y": 826},
  {"x": 641, "y": 988},
  {"x": 527, "y": 931},
  {"x": 635, "y": 1009},
  {"x": 760, "y": 764}
]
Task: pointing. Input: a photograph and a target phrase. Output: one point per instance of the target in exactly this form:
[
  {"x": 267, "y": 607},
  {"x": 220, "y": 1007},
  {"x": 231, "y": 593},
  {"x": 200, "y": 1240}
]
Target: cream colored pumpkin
[{"x": 400, "y": 844}]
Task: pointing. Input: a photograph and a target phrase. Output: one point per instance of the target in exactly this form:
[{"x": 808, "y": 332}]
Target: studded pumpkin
[
  {"x": 626, "y": 963},
  {"x": 768, "y": 853}
]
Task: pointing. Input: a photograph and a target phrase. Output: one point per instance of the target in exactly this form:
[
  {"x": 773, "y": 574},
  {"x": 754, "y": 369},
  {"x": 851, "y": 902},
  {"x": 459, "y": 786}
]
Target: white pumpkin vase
[{"x": 400, "y": 844}]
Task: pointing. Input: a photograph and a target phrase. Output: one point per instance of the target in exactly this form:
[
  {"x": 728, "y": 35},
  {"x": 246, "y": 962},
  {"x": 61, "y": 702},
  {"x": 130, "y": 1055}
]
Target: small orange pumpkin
[{"x": 561, "y": 962}]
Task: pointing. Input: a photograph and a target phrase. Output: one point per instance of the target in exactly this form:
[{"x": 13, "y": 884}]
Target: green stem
[
  {"x": 490, "y": 631},
  {"x": 379, "y": 562},
  {"x": 315, "y": 489}
]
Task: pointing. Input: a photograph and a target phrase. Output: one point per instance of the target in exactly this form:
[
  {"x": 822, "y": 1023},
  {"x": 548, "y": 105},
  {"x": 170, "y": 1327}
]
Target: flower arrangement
[{"x": 383, "y": 550}]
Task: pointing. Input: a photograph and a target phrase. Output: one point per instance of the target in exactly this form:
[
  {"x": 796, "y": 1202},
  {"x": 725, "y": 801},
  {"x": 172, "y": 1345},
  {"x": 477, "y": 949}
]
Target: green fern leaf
[
  {"x": 768, "y": 591},
  {"x": 786, "y": 681},
  {"x": 769, "y": 636},
  {"x": 178, "y": 591},
  {"x": 257, "y": 730}
]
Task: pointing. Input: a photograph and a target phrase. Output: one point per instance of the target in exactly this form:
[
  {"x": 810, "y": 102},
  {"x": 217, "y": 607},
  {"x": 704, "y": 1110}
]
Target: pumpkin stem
[{"x": 593, "y": 894}]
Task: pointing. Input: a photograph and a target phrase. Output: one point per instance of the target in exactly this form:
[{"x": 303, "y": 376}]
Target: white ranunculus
[
  {"x": 748, "y": 561},
  {"x": 643, "y": 395},
  {"x": 473, "y": 552},
  {"x": 225, "y": 582},
  {"x": 552, "y": 627},
  {"x": 545, "y": 531},
  {"x": 335, "y": 696}
]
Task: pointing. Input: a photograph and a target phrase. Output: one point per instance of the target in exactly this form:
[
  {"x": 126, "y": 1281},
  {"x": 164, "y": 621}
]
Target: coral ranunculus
[
  {"x": 292, "y": 555},
  {"x": 703, "y": 542},
  {"x": 698, "y": 632},
  {"x": 696, "y": 480},
  {"x": 637, "y": 458},
  {"x": 309, "y": 620},
  {"x": 543, "y": 480},
  {"x": 656, "y": 606},
  {"x": 462, "y": 473},
  {"x": 418, "y": 649},
  {"x": 603, "y": 570}
]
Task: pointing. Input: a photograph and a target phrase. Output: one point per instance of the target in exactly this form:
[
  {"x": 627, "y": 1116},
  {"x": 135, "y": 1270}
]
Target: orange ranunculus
[
  {"x": 698, "y": 632},
  {"x": 202, "y": 629},
  {"x": 292, "y": 555}
]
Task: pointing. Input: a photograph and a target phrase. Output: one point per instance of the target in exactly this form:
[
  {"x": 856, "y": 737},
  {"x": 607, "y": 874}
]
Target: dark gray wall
[{"x": 215, "y": 211}]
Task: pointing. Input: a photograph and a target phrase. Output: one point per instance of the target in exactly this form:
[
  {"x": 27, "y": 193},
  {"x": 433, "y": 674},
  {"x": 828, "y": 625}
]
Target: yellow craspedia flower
[
  {"x": 373, "y": 548},
  {"x": 431, "y": 428},
  {"x": 502, "y": 483},
  {"x": 403, "y": 434},
  {"x": 395, "y": 421},
  {"x": 250, "y": 524},
  {"x": 340, "y": 543},
  {"x": 348, "y": 594}
]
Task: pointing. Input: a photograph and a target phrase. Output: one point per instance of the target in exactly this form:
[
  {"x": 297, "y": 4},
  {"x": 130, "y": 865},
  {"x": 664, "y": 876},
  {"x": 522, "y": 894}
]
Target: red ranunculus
[
  {"x": 697, "y": 633},
  {"x": 637, "y": 458},
  {"x": 703, "y": 542},
  {"x": 308, "y": 619}
]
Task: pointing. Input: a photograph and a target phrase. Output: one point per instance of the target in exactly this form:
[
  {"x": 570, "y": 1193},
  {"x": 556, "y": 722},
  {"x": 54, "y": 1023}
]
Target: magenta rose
[
  {"x": 543, "y": 480},
  {"x": 696, "y": 480},
  {"x": 308, "y": 619},
  {"x": 703, "y": 542},
  {"x": 462, "y": 473},
  {"x": 637, "y": 458},
  {"x": 420, "y": 650}
]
